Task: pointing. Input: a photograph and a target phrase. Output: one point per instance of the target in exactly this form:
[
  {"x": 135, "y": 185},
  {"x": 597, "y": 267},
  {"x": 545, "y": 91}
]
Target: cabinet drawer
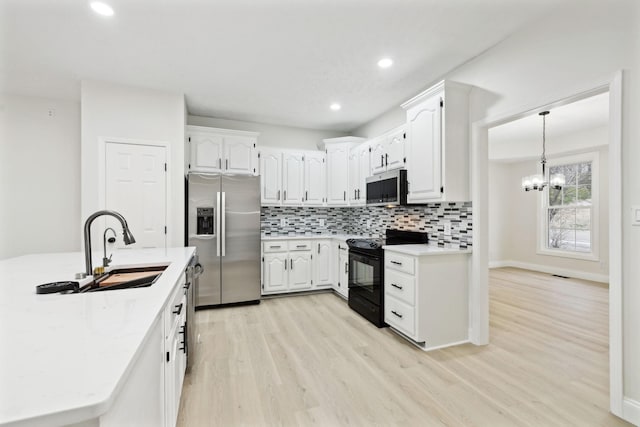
[
  {"x": 400, "y": 315},
  {"x": 399, "y": 262},
  {"x": 275, "y": 246},
  {"x": 299, "y": 245},
  {"x": 400, "y": 285}
]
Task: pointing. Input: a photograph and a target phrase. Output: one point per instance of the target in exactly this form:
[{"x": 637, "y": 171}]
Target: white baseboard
[
  {"x": 602, "y": 278},
  {"x": 631, "y": 411}
]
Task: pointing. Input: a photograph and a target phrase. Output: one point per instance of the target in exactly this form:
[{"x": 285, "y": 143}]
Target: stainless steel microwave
[{"x": 387, "y": 188}]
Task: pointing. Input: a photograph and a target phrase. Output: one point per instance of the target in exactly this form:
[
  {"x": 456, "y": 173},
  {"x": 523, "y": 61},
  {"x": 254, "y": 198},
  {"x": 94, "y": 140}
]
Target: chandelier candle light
[{"x": 537, "y": 181}]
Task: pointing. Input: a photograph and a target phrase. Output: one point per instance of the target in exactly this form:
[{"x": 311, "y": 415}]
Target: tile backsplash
[{"x": 373, "y": 221}]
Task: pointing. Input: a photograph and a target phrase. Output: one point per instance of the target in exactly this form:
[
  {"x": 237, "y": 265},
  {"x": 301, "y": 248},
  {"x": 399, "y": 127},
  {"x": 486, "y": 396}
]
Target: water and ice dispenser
[{"x": 205, "y": 221}]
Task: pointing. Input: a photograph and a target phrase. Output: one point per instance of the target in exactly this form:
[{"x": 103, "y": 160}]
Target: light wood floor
[{"x": 310, "y": 360}]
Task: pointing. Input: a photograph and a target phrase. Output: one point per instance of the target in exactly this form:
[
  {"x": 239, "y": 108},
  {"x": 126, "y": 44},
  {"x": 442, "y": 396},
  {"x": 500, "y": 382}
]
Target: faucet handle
[{"x": 106, "y": 261}]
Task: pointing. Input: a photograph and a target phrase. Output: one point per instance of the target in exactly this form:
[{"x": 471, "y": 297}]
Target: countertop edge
[{"x": 427, "y": 250}]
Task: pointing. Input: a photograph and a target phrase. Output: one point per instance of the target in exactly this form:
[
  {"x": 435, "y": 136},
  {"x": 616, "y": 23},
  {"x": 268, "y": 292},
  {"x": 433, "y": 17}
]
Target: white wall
[
  {"x": 117, "y": 111},
  {"x": 39, "y": 175},
  {"x": 271, "y": 135},
  {"x": 513, "y": 233},
  {"x": 568, "y": 52}
]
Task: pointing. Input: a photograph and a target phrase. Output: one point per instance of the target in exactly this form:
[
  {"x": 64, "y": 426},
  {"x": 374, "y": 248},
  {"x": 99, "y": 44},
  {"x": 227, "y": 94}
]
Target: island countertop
[{"x": 64, "y": 358}]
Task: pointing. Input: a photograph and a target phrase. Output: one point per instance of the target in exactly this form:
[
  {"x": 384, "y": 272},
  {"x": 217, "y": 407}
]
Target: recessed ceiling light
[
  {"x": 385, "y": 63},
  {"x": 335, "y": 106},
  {"x": 101, "y": 8}
]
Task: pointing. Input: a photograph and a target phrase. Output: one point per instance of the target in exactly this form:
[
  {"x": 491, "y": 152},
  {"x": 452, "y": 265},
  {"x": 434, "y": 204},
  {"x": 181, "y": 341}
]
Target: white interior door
[{"x": 135, "y": 179}]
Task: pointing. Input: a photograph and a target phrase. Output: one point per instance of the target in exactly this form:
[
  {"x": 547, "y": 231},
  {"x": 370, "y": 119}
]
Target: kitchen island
[{"x": 91, "y": 359}]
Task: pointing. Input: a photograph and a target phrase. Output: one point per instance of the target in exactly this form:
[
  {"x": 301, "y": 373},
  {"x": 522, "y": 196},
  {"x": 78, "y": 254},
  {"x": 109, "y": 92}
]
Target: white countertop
[
  {"x": 313, "y": 236},
  {"x": 422, "y": 250},
  {"x": 63, "y": 358}
]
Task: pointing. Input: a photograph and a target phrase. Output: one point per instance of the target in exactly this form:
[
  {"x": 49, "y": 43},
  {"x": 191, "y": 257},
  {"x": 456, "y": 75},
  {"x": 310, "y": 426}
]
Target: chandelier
[{"x": 538, "y": 181}]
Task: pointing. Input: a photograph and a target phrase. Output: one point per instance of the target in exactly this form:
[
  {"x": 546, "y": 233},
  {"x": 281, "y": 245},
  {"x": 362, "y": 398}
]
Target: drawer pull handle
[
  {"x": 396, "y": 263},
  {"x": 399, "y": 315},
  {"x": 301, "y": 246},
  {"x": 187, "y": 285},
  {"x": 274, "y": 247},
  {"x": 396, "y": 286},
  {"x": 178, "y": 309}
]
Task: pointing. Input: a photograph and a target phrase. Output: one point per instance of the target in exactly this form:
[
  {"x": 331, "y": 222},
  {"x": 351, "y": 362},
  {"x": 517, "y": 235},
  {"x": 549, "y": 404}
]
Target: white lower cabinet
[
  {"x": 342, "y": 285},
  {"x": 175, "y": 353},
  {"x": 300, "y": 271},
  {"x": 323, "y": 264},
  {"x": 287, "y": 266},
  {"x": 426, "y": 298},
  {"x": 296, "y": 265},
  {"x": 274, "y": 273}
]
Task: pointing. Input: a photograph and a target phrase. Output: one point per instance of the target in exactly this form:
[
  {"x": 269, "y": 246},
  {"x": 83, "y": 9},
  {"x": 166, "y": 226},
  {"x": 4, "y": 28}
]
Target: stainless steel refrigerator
[{"x": 223, "y": 222}]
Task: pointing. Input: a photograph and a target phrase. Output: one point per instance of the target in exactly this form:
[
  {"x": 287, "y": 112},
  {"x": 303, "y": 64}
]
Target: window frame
[{"x": 543, "y": 212}]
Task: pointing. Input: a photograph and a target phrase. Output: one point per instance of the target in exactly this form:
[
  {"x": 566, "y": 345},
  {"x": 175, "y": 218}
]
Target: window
[{"x": 570, "y": 226}]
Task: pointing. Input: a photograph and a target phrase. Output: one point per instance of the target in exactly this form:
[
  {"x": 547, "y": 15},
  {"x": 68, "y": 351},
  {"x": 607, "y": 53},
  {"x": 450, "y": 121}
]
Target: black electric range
[{"x": 366, "y": 271}]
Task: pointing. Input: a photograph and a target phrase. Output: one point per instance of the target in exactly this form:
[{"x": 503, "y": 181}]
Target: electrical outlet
[
  {"x": 283, "y": 222},
  {"x": 321, "y": 222},
  {"x": 447, "y": 229}
]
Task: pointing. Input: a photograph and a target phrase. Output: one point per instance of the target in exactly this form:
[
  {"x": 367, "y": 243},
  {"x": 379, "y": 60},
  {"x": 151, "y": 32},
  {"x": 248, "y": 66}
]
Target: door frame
[
  {"x": 479, "y": 264},
  {"x": 102, "y": 174}
]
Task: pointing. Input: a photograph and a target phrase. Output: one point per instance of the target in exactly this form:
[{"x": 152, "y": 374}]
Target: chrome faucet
[
  {"x": 106, "y": 261},
  {"x": 128, "y": 237}
]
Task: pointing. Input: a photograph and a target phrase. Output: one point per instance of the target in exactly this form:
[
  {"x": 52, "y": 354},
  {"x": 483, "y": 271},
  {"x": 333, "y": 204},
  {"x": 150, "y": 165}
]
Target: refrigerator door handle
[
  {"x": 218, "y": 228},
  {"x": 223, "y": 212}
]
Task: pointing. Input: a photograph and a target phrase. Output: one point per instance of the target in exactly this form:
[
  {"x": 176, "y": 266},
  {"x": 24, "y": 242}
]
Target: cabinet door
[
  {"x": 292, "y": 178},
  {"x": 270, "y": 177},
  {"x": 300, "y": 270},
  {"x": 275, "y": 273},
  {"x": 206, "y": 152},
  {"x": 314, "y": 179},
  {"x": 424, "y": 124},
  {"x": 343, "y": 271},
  {"x": 354, "y": 176},
  {"x": 378, "y": 151},
  {"x": 239, "y": 153},
  {"x": 322, "y": 264},
  {"x": 171, "y": 392},
  {"x": 364, "y": 173},
  {"x": 337, "y": 175},
  {"x": 395, "y": 150}
]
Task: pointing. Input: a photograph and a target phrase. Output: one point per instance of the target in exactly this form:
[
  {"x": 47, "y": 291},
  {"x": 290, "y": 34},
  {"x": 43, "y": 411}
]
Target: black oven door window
[{"x": 365, "y": 278}]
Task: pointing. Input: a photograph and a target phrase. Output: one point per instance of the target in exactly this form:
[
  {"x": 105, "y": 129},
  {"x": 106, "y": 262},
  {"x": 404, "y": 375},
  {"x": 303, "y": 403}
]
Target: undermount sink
[{"x": 125, "y": 278}]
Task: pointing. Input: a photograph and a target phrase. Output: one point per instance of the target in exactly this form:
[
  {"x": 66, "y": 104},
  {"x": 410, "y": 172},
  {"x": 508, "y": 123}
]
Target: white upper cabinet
[
  {"x": 270, "y": 176},
  {"x": 314, "y": 178},
  {"x": 206, "y": 152},
  {"x": 378, "y": 150},
  {"x": 354, "y": 176},
  {"x": 214, "y": 150},
  {"x": 437, "y": 144},
  {"x": 424, "y": 127},
  {"x": 240, "y": 155},
  {"x": 292, "y": 178},
  {"x": 337, "y": 174},
  {"x": 359, "y": 171},
  {"x": 339, "y": 189},
  {"x": 395, "y": 157},
  {"x": 388, "y": 151}
]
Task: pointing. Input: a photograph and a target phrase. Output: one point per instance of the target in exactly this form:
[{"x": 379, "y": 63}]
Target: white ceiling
[
  {"x": 272, "y": 61},
  {"x": 522, "y": 138}
]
